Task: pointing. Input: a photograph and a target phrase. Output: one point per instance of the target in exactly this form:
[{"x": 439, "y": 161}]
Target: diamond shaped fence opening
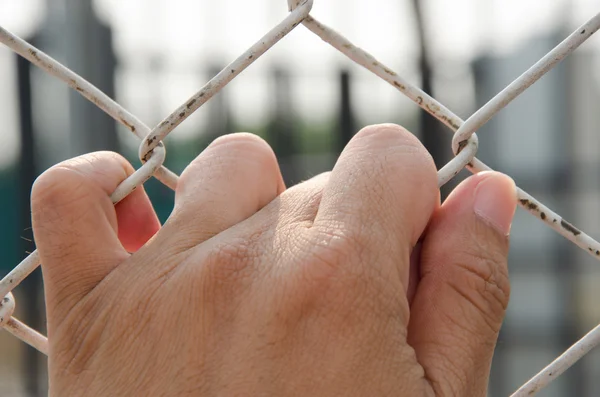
[{"x": 464, "y": 144}]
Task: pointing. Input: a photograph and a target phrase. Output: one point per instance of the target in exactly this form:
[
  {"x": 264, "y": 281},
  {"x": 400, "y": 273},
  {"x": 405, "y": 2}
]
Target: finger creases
[
  {"x": 76, "y": 227},
  {"x": 463, "y": 290},
  {"x": 232, "y": 179},
  {"x": 380, "y": 196}
]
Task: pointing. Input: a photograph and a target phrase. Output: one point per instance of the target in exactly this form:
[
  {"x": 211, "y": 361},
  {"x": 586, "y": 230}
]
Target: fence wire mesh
[{"x": 464, "y": 145}]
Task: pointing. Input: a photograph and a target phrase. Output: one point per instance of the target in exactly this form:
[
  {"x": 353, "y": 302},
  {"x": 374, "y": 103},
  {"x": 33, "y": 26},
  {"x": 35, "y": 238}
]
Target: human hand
[{"x": 250, "y": 289}]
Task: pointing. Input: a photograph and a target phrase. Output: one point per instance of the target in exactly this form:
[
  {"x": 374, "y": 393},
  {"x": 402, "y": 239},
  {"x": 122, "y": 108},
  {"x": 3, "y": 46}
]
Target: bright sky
[{"x": 219, "y": 30}]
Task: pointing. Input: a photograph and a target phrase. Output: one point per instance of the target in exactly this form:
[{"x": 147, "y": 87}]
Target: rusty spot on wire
[
  {"x": 190, "y": 103},
  {"x": 567, "y": 226},
  {"x": 34, "y": 53},
  {"x": 432, "y": 108},
  {"x": 402, "y": 87},
  {"x": 147, "y": 156},
  {"x": 462, "y": 145},
  {"x": 128, "y": 125},
  {"x": 75, "y": 85},
  {"x": 390, "y": 72},
  {"x": 450, "y": 121},
  {"x": 531, "y": 206}
]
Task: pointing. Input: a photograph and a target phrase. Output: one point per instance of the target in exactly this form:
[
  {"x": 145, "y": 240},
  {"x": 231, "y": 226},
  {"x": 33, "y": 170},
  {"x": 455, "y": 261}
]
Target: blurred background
[{"x": 308, "y": 100}]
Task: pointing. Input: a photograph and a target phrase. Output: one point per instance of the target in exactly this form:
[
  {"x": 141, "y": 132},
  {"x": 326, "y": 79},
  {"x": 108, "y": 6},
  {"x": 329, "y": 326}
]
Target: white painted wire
[
  {"x": 464, "y": 144},
  {"x": 225, "y": 76},
  {"x": 560, "y": 365},
  {"x": 86, "y": 89},
  {"x": 454, "y": 122}
]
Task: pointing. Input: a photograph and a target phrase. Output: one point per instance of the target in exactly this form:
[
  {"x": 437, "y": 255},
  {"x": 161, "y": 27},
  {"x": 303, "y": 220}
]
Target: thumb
[
  {"x": 463, "y": 292},
  {"x": 80, "y": 235}
]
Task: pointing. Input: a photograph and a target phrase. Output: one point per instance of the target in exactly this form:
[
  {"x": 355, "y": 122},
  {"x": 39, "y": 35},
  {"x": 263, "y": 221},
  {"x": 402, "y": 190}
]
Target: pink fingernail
[{"x": 495, "y": 201}]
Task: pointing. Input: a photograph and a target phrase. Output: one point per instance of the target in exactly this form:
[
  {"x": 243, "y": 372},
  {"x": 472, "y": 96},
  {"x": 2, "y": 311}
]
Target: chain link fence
[{"x": 465, "y": 144}]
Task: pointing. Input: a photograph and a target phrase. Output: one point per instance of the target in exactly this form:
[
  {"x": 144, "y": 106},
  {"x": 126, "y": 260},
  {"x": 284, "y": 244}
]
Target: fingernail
[{"x": 495, "y": 201}]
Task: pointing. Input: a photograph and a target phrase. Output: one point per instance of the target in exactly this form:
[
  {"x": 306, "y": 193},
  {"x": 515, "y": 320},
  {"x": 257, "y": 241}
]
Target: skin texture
[{"x": 356, "y": 282}]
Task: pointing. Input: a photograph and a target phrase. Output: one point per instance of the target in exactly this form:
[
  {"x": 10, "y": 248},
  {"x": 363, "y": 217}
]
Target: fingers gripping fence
[{"x": 464, "y": 144}]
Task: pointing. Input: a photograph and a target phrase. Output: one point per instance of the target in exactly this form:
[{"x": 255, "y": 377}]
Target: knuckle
[
  {"x": 242, "y": 154},
  {"x": 386, "y": 135},
  {"x": 244, "y": 142},
  {"x": 239, "y": 138},
  {"x": 336, "y": 244},
  {"x": 336, "y": 275},
  {"x": 70, "y": 180},
  {"x": 226, "y": 276},
  {"x": 322, "y": 272},
  {"x": 398, "y": 152},
  {"x": 230, "y": 261},
  {"x": 57, "y": 187}
]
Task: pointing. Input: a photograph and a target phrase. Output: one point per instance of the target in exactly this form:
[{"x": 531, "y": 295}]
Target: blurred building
[{"x": 545, "y": 141}]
